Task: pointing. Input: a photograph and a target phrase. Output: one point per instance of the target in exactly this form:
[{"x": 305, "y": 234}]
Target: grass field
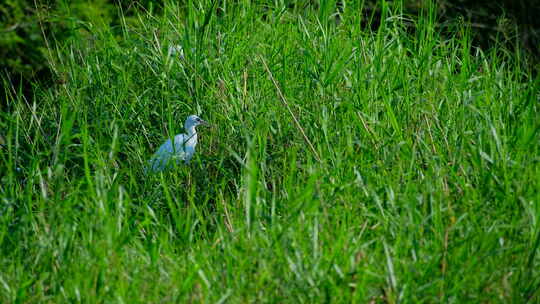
[{"x": 422, "y": 185}]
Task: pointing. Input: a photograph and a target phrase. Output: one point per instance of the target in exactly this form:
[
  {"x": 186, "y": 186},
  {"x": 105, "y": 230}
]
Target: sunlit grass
[{"x": 423, "y": 184}]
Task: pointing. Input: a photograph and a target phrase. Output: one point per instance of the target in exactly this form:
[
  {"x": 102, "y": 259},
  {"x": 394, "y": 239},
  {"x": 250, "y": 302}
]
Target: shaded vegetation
[{"x": 24, "y": 54}]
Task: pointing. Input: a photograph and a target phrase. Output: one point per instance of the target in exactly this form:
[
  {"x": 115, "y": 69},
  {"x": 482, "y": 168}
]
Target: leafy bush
[
  {"x": 28, "y": 32},
  {"x": 22, "y": 47}
]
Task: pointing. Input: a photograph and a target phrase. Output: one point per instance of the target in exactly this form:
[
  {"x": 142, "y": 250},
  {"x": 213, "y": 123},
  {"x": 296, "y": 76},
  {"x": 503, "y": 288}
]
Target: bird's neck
[{"x": 191, "y": 131}]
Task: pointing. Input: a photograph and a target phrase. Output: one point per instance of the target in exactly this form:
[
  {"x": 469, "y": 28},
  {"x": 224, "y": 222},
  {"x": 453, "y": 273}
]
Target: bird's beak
[{"x": 205, "y": 123}]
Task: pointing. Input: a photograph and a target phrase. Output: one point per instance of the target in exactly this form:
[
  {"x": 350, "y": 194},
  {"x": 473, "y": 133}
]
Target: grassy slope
[{"x": 427, "y": 188}]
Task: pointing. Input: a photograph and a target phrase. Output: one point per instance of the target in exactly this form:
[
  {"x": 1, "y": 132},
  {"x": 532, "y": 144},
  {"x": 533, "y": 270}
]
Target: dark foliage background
[
  {"x": 29, "y": 29},
  {"x": 24, "y": 53}
]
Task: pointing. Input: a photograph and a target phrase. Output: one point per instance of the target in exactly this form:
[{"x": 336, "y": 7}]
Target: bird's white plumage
[{"x": 182, "y": 149}]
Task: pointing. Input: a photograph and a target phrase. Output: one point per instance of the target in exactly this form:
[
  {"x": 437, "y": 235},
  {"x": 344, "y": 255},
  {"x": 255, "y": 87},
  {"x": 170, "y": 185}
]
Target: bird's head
[{"x": 193, "y": 121}]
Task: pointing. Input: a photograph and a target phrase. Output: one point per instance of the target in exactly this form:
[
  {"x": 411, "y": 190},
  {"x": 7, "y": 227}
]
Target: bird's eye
[{"x": 198, "y": 120}]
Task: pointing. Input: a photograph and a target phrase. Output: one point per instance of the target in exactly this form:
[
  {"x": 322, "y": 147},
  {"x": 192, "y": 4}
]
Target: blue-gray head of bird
[{"x": 193, "y": 121}]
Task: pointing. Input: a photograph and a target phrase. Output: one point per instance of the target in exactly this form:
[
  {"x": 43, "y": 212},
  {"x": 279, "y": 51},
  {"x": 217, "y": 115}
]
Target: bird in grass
[{"x": 182, "y": 149}]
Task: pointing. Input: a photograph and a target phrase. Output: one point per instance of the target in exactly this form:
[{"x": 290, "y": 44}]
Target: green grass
[{"x": 427, "y": 188}]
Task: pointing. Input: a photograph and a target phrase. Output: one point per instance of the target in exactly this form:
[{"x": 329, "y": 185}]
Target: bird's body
[{"x": 182, "y": 149}]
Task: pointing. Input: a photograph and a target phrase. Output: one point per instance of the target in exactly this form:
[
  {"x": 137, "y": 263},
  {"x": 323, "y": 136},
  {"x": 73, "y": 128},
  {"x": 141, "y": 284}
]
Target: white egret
[{"x": 182, "y": 149}]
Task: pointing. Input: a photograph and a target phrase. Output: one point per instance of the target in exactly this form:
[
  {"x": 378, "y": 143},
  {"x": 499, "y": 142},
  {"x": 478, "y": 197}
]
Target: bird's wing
[
  {"x": 167, "y": 153},
  {"x": 159, "y": 160}
]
